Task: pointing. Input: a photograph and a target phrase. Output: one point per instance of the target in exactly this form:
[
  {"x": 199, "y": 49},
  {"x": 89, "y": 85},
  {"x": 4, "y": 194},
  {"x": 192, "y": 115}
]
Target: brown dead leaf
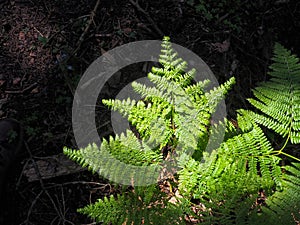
[
  {"x": 32, "y": 54},
  {"x": 222, "y": 47},
  {"x": 21, "y": 36},
  {"x": 127, "y": 30},
  {"x": 2, "y": 82},
  {"x": 16, "y": 80},
  {"x": 31, "y": 61},
  {"x": 35, "y": 90}
]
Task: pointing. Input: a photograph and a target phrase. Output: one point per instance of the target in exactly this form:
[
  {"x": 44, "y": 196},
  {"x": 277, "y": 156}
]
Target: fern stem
[
  {"x": 280, "y": 151},
  {"x": 287, "y": 139},
  {"x": 288, "y": 155}
]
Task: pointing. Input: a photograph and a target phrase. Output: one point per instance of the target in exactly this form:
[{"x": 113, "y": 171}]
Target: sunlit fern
[{"x": 239, "y": 182}]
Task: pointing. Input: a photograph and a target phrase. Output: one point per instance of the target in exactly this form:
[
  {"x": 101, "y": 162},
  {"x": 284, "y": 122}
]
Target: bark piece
[{"x": 50, "y": 167}]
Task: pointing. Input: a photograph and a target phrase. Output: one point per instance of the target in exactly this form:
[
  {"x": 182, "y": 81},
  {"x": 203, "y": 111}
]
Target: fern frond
[
  {"x": 174, "y": 108},
  {"x": 217, "y": 94},
  {"x": 228, "y": 180},
  {"x": 283, "y": 207},
  {"x": 138, "y": 207},
  {"x": 123, "y": 106},
  {"x": 279, "y": 98},
  {"x": 174, "y": 116},
  {"x": 119, "y": 159},
  {"x": 197, "y": 89},
  {"x": 150, "y": 93},
  {"x": 173, "y": 66}
]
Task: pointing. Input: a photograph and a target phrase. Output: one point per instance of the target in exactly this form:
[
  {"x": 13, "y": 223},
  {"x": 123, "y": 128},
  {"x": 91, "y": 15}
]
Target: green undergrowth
[{"x": 241, "y": 181}]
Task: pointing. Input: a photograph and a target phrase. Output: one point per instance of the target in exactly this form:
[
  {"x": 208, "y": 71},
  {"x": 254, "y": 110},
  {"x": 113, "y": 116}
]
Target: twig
[
  {"x": 31, "y": 207},
  {"x": 38, "y": 31},
  {"x": 222, "y": 18},
  {"x": 21, "y": 175},
  {"x": 42, "y": 186},
  {"x": 92, "y": 15},
  {"x": 148, "y": 17},
  {"x": 64, "y": 72},
  {"x": 79, "y": 42},
  {"x": 63, "y": 208},
  {"x": 102, "y": 186},
  {"x": 30, "y": 88}
]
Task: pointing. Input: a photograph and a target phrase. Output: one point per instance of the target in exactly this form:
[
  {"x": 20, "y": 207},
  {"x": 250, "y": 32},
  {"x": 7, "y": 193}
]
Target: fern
[
  {"x": 162, "y": 118},
  {"x": 279, "y": 98},
  {"x": 283, "y": 207},
  {"x": 172, "y": 124},
  {"x": 232, "y": 176},
  {"x": 124, "y": 154},
  {"x": 228, "y": 182},
  {"x": 138, "y": 207}
]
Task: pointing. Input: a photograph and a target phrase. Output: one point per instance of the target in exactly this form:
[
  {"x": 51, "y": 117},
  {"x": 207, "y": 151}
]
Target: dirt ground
[{"x": 46, "y": 46}]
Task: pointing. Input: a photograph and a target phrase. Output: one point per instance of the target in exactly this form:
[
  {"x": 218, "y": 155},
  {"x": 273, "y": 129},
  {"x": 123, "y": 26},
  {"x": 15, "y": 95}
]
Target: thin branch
[
  {"x": 92, "y": 15},
  {"x": 28, "y": 89},
  {"x": 79, "y": 42},
  {"x": 41, "y": 183},
  {"x": 148, "y": 17}
]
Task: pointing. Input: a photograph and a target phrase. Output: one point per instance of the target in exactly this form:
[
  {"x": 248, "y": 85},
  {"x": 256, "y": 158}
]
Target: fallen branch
[{"x": 50, "y": 167}]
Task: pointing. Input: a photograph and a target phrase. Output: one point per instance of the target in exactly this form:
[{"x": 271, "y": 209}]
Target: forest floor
[{"x": 46, "y": 46}]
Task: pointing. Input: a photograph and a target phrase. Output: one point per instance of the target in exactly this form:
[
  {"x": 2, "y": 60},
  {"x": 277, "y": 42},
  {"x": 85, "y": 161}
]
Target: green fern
[
  {"x": 162, "y": 118},
  {"x": 283, "y": 207},
  {"x": 172, "y": 123},
  {"x": 228, "y": 182},
  {"x": 138, "y": 207},
  {"x": 124, "y": 154},
  {"x": 174, "y": 115},
  {"x": 279, "y": 98}
]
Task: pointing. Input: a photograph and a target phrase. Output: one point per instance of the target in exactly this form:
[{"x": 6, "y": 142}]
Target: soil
[{"x": 46, "y": 46}]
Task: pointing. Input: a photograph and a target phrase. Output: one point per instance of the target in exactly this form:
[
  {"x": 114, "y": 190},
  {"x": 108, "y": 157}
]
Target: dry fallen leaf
[
  {"x": 35, "y": 90},
  {"x": 222, "y": 47},
  {"x": 127, "y": 30},
  {"x": 31, "y": 61},
  {"x": 32, "y": 54},
  {"x": 16, "y": 80},
  {"x": 21, "y": 36},
  {"x": 2, "y": 82}
]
